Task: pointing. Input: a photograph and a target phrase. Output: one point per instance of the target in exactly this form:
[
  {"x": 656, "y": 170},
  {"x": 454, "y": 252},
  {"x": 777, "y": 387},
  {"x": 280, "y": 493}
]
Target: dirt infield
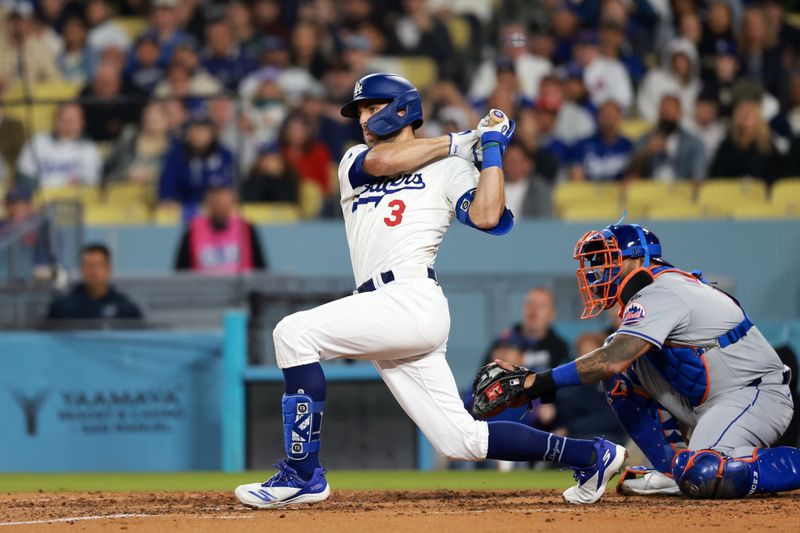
[{"x": 437, "y": 511}]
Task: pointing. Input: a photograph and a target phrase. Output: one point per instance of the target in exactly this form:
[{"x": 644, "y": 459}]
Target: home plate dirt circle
[{"x": 356, "y": 511}]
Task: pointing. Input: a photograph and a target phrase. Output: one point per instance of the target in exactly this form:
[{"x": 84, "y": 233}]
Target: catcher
[{"x": 687, "y": 365}]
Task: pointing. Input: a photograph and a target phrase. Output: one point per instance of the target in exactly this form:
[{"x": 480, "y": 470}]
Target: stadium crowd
[{"x": 178, "y": 94}]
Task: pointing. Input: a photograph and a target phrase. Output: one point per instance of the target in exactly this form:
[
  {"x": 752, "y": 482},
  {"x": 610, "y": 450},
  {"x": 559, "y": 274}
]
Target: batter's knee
[
  {"x": 468, "y": 443},
  {"x": 293, "y": 347}
]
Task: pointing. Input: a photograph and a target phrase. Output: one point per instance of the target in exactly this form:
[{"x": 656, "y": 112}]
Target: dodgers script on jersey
[{"x": 401, "y": 219}]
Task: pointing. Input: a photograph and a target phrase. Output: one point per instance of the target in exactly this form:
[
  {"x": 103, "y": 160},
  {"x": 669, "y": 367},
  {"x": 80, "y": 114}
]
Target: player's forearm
[
  {"x": 490, "y": 199},
  {"x": 611, "y": 359},
  {"x": 387, "y": 159}
]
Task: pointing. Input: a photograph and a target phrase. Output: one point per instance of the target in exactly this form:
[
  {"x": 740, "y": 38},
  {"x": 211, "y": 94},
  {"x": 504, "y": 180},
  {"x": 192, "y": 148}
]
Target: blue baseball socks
[
  {"x": 511, "y": 441},
  {"x": 303, "y": 403}
]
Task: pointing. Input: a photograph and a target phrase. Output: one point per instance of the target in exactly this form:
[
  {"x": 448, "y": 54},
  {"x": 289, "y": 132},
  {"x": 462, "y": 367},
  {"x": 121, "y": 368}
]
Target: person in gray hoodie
[{"x": 679, "y": 74}]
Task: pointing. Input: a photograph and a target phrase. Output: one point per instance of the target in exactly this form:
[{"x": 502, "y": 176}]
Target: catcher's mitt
[{"x": 496, "y": 389}]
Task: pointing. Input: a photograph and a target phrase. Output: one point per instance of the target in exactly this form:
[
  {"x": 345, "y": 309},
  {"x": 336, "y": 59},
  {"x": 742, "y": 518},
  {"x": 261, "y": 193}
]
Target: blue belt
[
  {"x": 739, "y": 331},
  {"x": 388, "y": 277}
]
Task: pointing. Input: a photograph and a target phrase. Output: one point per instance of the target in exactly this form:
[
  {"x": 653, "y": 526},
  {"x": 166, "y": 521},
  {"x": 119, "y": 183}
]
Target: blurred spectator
[
  {"x": 614, "y": 46},
  {"x": 62, "y": 157},
  {"x": 265, "y": 109},
  {"x": 541, "y": 346},
  {"x": 192, "y": 163},
  {"x": 560, "y": 118},
  {"x": 107, "y": 106},
  {"x": 55, "y": 13},
  {"x": 691, "y": 29},
  {"x": 223, "y": 58},
  {"x": 94, "y": 297},
  {"x": 192, "y": 16},
  {"x": 721, "y": 78},
  {"x": 330, "y": 130},
  {"x": 793, "y": 158},
  {"x": 12, "y": 138},
  {"x": 219, "y": 241},
  {"x": 779, "y": 30},
  {"x": 706, "y": 123},
  {"x": 747, "y": 151},
  {"x": 229, "y": 130},
  {"x": 582, "y": 411},
  {"x": 679, "y": 74},
  {"x": 306, "y": 154},
  {"x": 26, "y": 41},
  {"x": 506, "y": 94},
  {"x": 604, "y": 77},
  {"x": 268, "y": 19},
  {"x": 74, "y": 60},
  {"x": 176, "y": 114},
  {"x": 417, "y": 32},
  {"x": 138, "y": 154},
  {"x": 35, "y": 254},
  {"x": 165, "y": 29},
  {"x": 718, "y": 27},
  {"x": 245, "y": 34},
  {"x": 528, "y": 194},
  {"x": 356, "y": 54},
  {"x": 605, "y": 155},
  {"x": 762, "y": 57},
  {"x": 669, "y": 152},
  {"x": 793, "y": 111},
  {"x": 513, "y": 48},
  {"x": 565, "y": 23},
  {"x": 270, "y": 180},
  {"x": 358, "y": 17},
  {"x": 190, "y": 84},
  {"x": 541, "y": 149},
  {"x": 142, "y": 69},
  {"x": 103, "y": 31},
  {"x": 306, "y": 51}
]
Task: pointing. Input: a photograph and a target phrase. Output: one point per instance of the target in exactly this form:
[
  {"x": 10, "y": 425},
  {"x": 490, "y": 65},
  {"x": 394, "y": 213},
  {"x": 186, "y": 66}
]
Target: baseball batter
[
  {"x": 399, "y": 195},
  {"x": 686, "y": 363}
]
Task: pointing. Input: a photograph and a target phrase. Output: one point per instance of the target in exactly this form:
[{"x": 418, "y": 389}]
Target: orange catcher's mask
[
  {"x": 600, "y": 263},
  {"x": 600, "y": 254}
]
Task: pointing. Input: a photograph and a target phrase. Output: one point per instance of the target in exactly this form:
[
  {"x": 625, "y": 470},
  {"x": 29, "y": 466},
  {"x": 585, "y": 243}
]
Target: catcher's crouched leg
[{"x": 709, "y": 474}]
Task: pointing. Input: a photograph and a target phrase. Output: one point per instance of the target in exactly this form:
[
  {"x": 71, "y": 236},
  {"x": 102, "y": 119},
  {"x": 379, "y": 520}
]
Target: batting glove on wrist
[
  {"x": 500, "y": 133},
  {"x": 463, "y": 143}
]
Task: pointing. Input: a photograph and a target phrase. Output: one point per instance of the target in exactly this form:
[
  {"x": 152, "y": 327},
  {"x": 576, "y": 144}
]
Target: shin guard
[{"x": 302, "y": 421}]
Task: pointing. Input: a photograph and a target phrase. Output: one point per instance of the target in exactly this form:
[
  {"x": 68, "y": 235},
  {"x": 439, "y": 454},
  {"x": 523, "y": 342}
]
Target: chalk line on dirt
[{"x": 76, "y": 519}]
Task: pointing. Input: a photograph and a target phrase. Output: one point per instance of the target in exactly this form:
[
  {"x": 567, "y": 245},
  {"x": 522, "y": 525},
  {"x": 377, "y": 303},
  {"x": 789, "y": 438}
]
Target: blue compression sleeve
[
  {"x": 492, "y": 156},
  {"x": 566, "y": 375}
]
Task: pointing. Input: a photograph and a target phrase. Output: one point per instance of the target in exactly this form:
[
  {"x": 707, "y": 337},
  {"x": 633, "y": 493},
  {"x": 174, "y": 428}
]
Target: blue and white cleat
[
  {"x": 284, "y": 488},
  {"x": 592, "y": 480}
]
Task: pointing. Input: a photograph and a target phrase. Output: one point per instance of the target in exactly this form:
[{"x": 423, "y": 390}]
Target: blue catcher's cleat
[
  {"x": 592, "y": 479},
  {"x": 284, "y": 488}
]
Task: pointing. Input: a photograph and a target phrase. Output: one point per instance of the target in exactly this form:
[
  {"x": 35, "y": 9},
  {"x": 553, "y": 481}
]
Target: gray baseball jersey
[{"x": 677, "y": 309}]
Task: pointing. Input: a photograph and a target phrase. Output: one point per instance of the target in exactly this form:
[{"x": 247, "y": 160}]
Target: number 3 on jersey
[{"x": 396, "y": 215}]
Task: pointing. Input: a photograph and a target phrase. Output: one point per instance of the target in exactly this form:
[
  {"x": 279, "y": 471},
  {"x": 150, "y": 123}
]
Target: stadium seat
[
  {"x": 40, "y": 116},
  {"x": 721, "y": 196},
  {"x": 579, "y": 193},
  {"x": 167, "y": 216},
  {"x": 635, "y": 128},
  {"x": 459, "y": 31},
  {"x": 117, "y": 215},
  {"x": 419, "y": 70},
  {"x": 83, "y": 194},
  {"x": 675, "y": 211},
  {"x": 644, "y": 194},
  {"x": 270, "y": 213},
  {"x": 786, "y": 194},
  {"x": 133, "y": 26},
  {"x": 126, "y": 193},
  {"x": 759, "y": 211},
  {"x": 605, "y": 212},
  {"x": 310, "y": 199}
]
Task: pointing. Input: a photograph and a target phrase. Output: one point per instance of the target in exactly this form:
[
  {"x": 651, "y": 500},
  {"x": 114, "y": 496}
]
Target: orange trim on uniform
[{"x": 708, "y": 379}]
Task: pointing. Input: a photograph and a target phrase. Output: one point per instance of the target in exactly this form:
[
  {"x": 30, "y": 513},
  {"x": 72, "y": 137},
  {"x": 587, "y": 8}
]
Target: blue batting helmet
[
  {"x": 402, "y": 97},
  {"x": 601, "y": 253}
]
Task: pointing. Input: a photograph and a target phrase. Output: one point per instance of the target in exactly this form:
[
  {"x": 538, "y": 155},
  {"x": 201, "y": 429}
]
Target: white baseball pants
[{"x": 402, "y": 327}]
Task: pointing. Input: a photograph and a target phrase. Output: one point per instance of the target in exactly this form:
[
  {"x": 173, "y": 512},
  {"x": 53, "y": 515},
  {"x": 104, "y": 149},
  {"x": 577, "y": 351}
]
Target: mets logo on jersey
[
  {"x": 634, "y": 313},
  {"x": 373, "y": 193}
]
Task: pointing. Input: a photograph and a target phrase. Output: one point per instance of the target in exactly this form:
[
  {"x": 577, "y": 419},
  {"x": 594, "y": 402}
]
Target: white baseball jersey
[{"x": 401, "y": 220}]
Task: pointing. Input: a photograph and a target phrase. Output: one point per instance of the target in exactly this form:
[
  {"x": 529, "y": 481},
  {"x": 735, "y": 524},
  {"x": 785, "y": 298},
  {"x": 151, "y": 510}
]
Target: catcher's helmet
[
  {"x": 402, "y": 96},
  {"x": 600, "y": 254}
]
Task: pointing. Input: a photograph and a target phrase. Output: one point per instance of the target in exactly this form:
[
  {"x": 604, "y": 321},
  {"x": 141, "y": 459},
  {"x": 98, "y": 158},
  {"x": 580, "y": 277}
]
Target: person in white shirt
[
  {"x": 63, "y": 157},
  {"x": 679, "y": 74},
  {"x": 104, "y": 32},
  {"x": 529, "y": 68},
  {"x": 605, "y": 78}
]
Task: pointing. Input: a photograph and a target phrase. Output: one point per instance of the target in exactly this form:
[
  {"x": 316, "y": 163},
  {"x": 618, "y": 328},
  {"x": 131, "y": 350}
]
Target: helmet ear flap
[{"x": 633, "y": 283}]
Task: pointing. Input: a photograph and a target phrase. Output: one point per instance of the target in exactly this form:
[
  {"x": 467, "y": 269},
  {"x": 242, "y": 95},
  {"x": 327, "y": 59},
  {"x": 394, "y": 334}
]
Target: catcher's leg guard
[
  {"x": 709, "y": 474},
  {"x": 650, "y": 426}
]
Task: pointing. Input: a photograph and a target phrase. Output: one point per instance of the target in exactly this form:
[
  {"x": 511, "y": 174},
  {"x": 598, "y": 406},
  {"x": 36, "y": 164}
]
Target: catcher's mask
[{"x": 600, "y": 255}]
